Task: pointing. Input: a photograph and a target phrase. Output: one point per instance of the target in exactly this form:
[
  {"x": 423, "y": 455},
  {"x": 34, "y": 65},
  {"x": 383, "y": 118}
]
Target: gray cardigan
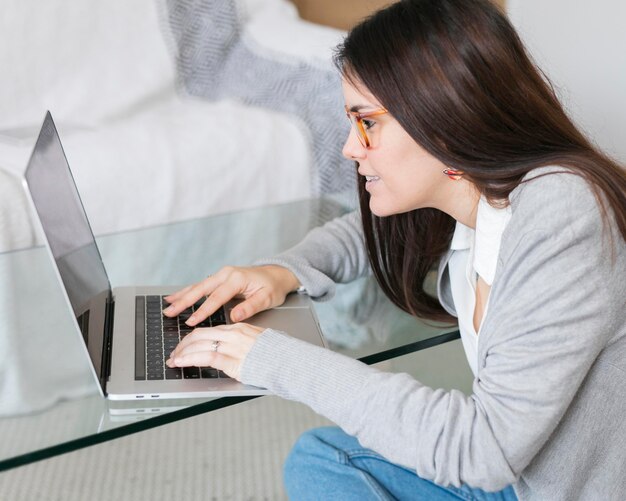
[{"x": 548, "y": 408}]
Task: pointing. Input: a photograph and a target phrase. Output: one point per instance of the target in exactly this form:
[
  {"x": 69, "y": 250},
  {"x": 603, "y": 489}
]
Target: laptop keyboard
[{"x": 156, "y": 336}]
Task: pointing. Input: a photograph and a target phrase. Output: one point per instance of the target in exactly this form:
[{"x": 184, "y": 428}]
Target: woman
[{"x": 468, "y": 164}]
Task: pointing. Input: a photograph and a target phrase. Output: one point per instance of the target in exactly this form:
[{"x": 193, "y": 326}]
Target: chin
[
  {"x": 382, "y": 210},
  {"x": 379, "y": 211}
]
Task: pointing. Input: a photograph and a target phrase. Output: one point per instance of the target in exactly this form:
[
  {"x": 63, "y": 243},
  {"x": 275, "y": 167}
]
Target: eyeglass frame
[{"x": 356, "y": 120}]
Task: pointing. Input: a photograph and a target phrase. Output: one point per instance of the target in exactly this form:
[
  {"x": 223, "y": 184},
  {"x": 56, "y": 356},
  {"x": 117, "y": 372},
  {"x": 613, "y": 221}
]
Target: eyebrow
[{"x": 358, "y": 107}]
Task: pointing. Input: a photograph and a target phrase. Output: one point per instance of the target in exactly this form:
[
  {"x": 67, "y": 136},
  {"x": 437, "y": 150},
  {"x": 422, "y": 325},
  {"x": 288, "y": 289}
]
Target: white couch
[
  {"x": 148, "y": 145},
  {"x": 143, "y": 150}
]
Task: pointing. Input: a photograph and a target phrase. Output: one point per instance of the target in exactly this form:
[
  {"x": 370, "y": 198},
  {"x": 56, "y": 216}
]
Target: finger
[
  {"x": 234, "y": 333},
  {"x": 254, "y": 304},
  {"x": 219, "y": 297},
  {"x": 229, "y": 332},
  {"x": 236, "y": 350},
  {"x": 230, "y": 365},
  {"x": 190, "y": 297},
  {"x": 197, "y": 359},
  {"x": 204, "y": 334},
  {"x": 176, "y": 295},
  {"x": 208, "y": 333}
]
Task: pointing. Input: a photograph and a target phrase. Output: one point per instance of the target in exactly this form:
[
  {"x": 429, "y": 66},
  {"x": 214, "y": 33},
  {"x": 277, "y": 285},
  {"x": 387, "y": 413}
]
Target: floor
[{"x": 231, "y": 454}]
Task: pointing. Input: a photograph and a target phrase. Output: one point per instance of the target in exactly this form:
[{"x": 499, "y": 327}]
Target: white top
[{"x": 476, "y": 253}]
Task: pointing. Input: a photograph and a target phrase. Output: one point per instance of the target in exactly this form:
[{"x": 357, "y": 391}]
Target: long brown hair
[{"x": 457, "y": 78}]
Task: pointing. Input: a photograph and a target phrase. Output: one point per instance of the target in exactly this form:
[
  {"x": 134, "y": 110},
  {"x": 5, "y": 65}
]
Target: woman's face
[{"x": 401, "y": 176}]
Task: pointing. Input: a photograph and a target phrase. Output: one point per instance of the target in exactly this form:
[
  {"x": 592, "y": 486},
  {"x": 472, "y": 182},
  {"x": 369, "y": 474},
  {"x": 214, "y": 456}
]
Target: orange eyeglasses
[{"x": 356, "y": 119}]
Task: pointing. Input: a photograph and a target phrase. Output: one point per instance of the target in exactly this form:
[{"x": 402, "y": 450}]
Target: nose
[{"x": 353, "y": 149}]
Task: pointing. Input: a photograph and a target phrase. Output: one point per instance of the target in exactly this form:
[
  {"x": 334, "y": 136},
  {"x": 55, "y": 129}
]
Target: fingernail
[
  {"x": 191, "y": 320},
  {"x": 168, "y": 309},
  {"x": 168, "y": 362}
]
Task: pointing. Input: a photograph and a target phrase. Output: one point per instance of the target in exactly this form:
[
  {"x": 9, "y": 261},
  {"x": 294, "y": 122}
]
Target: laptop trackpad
[{"x": 297, "y": 322}]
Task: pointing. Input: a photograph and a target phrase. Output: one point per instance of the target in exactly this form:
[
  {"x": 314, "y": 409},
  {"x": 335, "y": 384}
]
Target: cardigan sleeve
[
  {"x": 332, "y": 253},
  {"x": 555, "y": 304}
]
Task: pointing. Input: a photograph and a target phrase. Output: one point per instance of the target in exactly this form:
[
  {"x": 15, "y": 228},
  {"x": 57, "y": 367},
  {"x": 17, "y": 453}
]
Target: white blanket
[{"x": 142, "y": 153}]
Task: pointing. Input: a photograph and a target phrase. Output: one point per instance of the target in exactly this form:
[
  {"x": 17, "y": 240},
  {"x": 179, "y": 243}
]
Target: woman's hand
[
  {"x": 223, "y": 348},
  {"x": 262, "y": 287}
]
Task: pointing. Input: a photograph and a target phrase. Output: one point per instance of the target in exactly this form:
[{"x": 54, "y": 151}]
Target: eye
[{"x": 368, "y": 124}]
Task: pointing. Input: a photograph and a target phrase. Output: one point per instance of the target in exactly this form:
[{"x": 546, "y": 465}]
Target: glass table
[{"x": 49, "y": 402}]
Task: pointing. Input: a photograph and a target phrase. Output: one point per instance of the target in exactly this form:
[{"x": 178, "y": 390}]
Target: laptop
[{"x": 125, "y": 335}]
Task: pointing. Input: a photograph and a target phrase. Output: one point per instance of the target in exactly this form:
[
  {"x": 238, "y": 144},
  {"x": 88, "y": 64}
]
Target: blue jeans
[{"x": 327, "y": 463}]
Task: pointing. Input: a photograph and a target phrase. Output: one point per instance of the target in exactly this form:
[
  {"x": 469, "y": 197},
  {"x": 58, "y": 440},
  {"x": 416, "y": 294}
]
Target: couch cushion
[{"x": 88, "y": 61}]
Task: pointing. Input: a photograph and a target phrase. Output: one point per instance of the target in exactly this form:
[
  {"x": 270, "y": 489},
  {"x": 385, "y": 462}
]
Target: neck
[{"x": 461, "y": 202}]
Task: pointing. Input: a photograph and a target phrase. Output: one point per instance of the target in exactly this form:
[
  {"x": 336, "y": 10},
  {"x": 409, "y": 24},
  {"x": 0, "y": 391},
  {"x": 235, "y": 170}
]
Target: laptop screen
[{"x": 69, "y": 237}]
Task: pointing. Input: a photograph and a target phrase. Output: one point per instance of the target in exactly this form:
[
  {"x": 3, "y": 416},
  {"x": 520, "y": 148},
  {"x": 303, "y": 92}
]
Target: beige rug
[{"x": 231, "y": 454}]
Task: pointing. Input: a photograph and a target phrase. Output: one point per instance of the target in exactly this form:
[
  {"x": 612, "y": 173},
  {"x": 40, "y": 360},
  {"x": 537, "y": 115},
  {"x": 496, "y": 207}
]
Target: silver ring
[{"x": 215, "y": 346}]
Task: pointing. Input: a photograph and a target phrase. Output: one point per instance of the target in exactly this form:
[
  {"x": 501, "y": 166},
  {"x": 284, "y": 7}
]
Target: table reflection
[{"x": 48, "y": 396}]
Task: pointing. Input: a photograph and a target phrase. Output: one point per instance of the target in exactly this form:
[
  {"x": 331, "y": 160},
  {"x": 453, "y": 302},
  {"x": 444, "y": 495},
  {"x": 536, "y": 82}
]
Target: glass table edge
[{"x": 195, "y": 410}]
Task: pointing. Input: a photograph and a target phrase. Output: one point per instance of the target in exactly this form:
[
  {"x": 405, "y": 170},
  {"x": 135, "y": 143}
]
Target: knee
[
  {"x": 309, "y": 445},
  {"x": 322, "y": 442},
  {"x": 316, "y": 452}
]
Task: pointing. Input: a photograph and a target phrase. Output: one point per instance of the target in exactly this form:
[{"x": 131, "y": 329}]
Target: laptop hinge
[{"x": 108, "y": 343}]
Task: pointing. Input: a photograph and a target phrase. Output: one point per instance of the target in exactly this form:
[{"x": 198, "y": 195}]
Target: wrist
[{"x": 286, "y": 277}]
